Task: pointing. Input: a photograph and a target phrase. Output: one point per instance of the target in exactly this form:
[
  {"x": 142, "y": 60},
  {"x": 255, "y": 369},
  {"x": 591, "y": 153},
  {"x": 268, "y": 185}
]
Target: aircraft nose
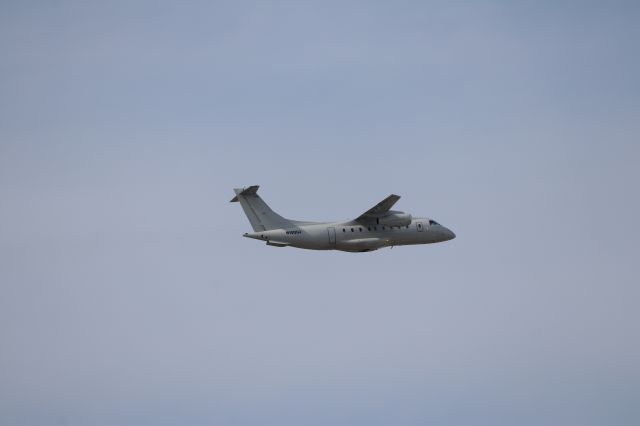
[{"x": 449, "y": 234}]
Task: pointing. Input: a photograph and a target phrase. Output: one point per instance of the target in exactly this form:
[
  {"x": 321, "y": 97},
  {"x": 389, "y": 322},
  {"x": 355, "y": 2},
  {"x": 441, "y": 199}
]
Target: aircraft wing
[{"x": 379, "y": 209}]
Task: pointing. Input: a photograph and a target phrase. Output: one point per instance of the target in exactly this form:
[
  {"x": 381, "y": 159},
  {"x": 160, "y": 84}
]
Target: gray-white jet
[{"x": 376, "y": 228}]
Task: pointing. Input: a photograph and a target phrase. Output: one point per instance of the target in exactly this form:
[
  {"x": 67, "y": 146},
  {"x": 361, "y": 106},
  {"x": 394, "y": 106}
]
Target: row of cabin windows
[{"x": 374, "y": 228}]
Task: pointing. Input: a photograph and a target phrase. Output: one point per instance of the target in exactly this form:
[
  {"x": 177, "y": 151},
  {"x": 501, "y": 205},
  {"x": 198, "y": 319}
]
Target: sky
[{"x": 129, "y": 297}]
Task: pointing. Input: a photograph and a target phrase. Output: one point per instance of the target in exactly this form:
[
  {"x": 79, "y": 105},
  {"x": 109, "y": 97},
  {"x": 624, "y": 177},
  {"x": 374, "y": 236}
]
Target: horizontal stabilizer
[
  {"x": 252, "y": 190},
  {"x": 277, "y": 244}
]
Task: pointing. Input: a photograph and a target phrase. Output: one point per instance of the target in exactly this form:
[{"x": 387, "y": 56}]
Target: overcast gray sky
[{"x": 129, "y": 297}]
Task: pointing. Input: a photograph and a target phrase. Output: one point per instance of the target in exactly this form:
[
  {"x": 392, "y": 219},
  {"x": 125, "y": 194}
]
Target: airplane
[{"x": 376, "y": 228}]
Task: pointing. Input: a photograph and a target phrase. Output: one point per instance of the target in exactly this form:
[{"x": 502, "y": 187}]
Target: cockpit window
[{"x": 433, "y": 222}]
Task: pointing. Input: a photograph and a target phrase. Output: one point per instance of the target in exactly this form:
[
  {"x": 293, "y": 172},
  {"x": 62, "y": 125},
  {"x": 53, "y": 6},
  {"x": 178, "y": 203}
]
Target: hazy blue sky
[{"x": 129, "y": 297}]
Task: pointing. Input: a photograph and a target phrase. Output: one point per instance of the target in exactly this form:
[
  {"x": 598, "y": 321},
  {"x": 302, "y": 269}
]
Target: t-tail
[{"x": 260, "y": 215}]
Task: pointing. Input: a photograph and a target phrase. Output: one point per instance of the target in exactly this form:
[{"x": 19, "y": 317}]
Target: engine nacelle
[{"x": 395, "y": 219}]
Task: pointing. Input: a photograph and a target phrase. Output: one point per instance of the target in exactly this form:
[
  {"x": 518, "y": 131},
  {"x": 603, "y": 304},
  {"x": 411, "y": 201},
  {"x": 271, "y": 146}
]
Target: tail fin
[{"x": 260, "y": 215}]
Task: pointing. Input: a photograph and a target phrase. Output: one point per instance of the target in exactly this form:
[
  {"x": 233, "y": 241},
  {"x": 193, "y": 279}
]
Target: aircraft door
[
  {"x": 419, "y": 226},
  {"x": 332, "y": 236}
]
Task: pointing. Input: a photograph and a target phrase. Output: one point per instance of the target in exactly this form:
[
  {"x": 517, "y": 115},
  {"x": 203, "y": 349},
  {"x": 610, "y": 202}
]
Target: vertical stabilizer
[{"x": 260, "y": 215}]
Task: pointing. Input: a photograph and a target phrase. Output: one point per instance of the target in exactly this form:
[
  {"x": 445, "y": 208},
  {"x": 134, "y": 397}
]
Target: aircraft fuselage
[{"x": 354, "y": 237}]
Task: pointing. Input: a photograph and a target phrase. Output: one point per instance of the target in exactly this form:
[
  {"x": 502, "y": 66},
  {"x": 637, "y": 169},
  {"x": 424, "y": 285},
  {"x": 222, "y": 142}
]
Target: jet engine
[{"x": 395, "y": 219}]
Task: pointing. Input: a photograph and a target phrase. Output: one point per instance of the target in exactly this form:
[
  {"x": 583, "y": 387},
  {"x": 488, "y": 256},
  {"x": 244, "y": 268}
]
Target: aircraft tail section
[{"x": 260, "y": 215}]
